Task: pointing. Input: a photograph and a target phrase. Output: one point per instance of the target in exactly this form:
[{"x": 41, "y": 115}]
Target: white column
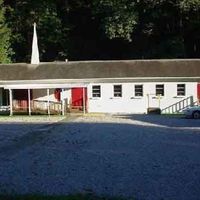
[
  {"x": 11, "y": 102},
  {"x": 83, "y": 100},
  {"x": 29, "y": 102},
  {"x": 63, "y": 102},
  {"x": 48, "y": 105}
]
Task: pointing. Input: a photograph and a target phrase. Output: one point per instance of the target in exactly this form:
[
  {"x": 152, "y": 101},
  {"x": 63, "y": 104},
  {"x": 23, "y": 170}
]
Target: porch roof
[{"x": 42, "y": 86}]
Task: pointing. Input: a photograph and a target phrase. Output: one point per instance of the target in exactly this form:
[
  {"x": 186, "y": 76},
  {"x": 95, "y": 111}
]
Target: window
[
  {"x": 117, "y": 90},
  {"x": 180, "y": 89},
  {"x": 160, "y": 90},
  {"x": 96, "y": 91},
  {"x": 139, "y": 90}
]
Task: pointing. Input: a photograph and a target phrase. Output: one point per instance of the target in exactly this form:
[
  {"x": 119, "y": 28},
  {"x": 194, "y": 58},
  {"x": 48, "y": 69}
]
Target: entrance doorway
[{"x": 79, "y": 99}]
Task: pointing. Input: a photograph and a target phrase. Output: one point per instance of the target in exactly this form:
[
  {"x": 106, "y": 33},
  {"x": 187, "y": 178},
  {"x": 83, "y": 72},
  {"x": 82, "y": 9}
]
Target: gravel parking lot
[{"x": 147, "y": 157}]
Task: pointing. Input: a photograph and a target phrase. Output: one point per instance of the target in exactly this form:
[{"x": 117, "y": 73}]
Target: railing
[
  {"x": 43, "y": 105},
  {"x": 4, "y": 108},
  {"x": 37, "y": 106},
  {"x": 179, "y": 106}
]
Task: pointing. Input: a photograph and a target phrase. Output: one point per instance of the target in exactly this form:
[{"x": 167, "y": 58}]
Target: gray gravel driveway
[{"x": 141, "y": 156}]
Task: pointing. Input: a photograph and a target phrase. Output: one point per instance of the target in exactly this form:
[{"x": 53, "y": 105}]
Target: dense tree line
[{"x": 100, "y": 29}]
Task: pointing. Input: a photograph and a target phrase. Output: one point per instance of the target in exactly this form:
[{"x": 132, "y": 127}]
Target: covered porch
[{"x": 49, "y": 99}]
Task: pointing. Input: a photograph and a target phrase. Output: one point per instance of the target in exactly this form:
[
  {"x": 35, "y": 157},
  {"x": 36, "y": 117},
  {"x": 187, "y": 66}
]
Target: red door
[
  {"x": 77, "y": 97},
  {"x": 198, "y": 92}
]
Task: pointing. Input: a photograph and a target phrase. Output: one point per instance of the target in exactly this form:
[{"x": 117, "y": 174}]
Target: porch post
[
  {"x": 148, "y": 100},
  {"x": 11, "y": 102},
  {"x": 83, "y": 100},
  {"x": 63, "y": 103},
  {"x": 48, "y": 106},
  {"x": 29, "y": 102}
]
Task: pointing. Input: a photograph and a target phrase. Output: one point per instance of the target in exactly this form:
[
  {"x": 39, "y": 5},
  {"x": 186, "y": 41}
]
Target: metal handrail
[{"x": 180, "y": 105}]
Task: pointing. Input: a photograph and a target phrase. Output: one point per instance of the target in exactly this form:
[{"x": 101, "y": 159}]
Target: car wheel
[{"x": 196, "y": 115}]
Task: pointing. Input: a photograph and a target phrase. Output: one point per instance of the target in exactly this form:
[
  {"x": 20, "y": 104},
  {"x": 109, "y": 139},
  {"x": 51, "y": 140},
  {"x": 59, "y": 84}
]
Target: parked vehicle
[{"x": 192, "y": 112}]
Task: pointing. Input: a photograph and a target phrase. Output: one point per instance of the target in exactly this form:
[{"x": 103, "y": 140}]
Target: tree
[
  {"x": 51, "y": 34},
  {"x": 105, "y": 29},
  {"x": 118, "y": 17},
  {"x": 159, "y": 29},
  {"x": 190, "y": 13},
  {"x": 187, "y": 5},
  {"x": 5, "y": 50}
]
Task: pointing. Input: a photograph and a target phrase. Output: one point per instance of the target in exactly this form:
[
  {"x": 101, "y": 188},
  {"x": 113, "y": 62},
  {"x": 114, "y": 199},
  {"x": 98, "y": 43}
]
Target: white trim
[
  {"x": 88, "y": 80},
  {"x": 69, "y": 83},
  {"x": 42, "y": 86}
]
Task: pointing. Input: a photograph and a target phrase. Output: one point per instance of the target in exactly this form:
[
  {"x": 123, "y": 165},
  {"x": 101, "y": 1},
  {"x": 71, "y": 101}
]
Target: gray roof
[{"x": 187, "y": 68}]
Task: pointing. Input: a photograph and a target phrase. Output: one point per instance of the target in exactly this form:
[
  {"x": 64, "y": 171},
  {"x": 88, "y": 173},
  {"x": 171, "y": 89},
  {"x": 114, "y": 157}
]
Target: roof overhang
[
  {"x": 43, "y": 86},
  {"x": 70, "y": 83}
]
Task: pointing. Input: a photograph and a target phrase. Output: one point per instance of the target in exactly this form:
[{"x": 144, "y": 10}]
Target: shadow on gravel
[
  {"x": 19, "y": 136},
  {"x": 107, "y": 158}
]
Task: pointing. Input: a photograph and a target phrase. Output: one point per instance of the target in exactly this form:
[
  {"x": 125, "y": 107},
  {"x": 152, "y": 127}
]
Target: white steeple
[{"x": 35, "y": 51}]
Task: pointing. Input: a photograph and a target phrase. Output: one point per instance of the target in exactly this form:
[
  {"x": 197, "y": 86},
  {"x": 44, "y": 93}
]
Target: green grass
[{"x": 69, "y": 197}]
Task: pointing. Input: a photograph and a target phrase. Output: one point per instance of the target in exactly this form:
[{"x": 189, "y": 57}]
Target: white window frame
[
  {"x": 117, "y": 94},
  {"x": 96, "y": 93},
  {"x": 160, "y": 87},
  {"x": 181, "y": 87},
  {"x": 141, "y": 93}
]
